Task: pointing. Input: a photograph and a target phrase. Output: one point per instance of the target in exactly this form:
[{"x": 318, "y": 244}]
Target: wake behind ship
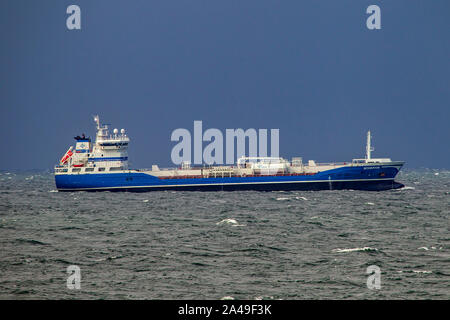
[{"x": 103, "y": 165}]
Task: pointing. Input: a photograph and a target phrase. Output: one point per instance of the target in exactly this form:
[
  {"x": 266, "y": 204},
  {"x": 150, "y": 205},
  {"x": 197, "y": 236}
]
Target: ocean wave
[
  {"x": 114, "y": 257},
  {"x": 31, "y": 241},
  {"x": 264, "y": 298},
  {"x": 369, "y": 249},
  {"x": 107, "y": 258},
  {"x": 426, "y": 248},
  {"x": 407, "y": 188},
  {"x": 70, "y": 228},
  {"x": 230, "y": 221}
]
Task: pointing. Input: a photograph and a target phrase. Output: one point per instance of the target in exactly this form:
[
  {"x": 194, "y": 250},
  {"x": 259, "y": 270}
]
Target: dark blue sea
[{"x": 225, "y": 245}]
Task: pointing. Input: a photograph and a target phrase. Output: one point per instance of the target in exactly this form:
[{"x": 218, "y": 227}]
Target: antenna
[{"x": 97, "y": 121}]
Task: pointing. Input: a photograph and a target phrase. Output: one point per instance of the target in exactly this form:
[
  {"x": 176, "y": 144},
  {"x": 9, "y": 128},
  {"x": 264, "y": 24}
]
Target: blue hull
[
  {"x": 312, "y": 186},
  {"x": 373, "y": 178}
]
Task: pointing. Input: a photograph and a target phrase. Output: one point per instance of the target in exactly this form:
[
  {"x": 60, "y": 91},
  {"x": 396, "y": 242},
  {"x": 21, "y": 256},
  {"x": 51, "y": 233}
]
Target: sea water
[{"x": 225, "y": 245}]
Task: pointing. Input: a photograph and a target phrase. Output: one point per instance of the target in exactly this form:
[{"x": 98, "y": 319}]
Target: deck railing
[{"x": 333, "y": 163}]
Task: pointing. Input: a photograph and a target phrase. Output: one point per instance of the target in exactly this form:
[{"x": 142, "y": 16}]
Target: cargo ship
[{"x": 103, "y": 166}]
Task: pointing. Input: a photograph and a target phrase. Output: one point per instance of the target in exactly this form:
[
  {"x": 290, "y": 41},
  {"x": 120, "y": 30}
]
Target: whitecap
[
  {"x": 370, "y": 203},
  {"x": 53, "y": 191},
  {"x": 282, "y": 199},
  {"x": 145, "y": 200},
  {"x": 264, "y": 298},
  {"x": 230, "y": 221},
  {"x": 100, "y": 260},
  {"x": 227, "y": 298},
  {"x": 407, "y": 188},
  {"x": 422, "y": 271},
  {"x": 233, "y": 221},
  {"x": 423, "y": 248},
  {"x": 354, "y": 249},
  {"x": 301, "y": 198}
]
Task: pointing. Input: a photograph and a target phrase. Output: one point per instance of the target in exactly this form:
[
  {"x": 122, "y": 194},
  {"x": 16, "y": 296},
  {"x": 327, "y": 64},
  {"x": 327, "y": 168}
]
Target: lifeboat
[{"x": 66, "y": 156}]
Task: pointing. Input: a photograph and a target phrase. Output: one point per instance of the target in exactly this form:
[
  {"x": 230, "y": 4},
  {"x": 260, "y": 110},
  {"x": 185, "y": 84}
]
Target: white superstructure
[{"x": 108, "y": 153}]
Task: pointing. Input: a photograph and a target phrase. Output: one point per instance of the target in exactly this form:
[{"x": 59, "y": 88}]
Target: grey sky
[{"x": 310, "y": 68}]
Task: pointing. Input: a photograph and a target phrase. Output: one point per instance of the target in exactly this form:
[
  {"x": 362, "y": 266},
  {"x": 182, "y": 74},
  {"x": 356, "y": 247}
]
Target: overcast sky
[{"x": 309, "y": 68}]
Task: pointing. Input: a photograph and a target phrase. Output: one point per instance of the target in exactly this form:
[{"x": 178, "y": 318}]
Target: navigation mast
[{"x": 369, "y": 148}]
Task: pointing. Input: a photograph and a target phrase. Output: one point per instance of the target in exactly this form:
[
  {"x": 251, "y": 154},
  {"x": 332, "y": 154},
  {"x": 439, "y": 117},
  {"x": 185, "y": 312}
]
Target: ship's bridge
[
  {"x": 109, "y": 150},
  {"x": 115, "y": 141}
]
